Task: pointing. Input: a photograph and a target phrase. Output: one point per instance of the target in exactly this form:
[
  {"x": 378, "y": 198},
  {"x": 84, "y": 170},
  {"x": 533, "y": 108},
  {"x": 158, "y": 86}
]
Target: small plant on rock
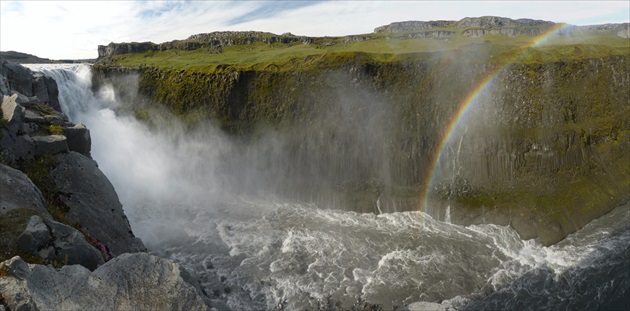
[{"x": 55, "y": 129}]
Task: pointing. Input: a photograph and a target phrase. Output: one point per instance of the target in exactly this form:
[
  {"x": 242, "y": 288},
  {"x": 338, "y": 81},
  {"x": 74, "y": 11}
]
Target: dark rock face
[
  {"x": 34, "y": 86},
  {"x": 130, "y": 281},
  {"x": 59, "y": 243},
  {"x": 93, "y": 202},
  {"x": 79, "y": 140},
  {"x": 50, "y": 144},
  {"x": 17, "y": 191},
  {"x": 19, "y": 77},
  {"x": 38, "y": 133}
]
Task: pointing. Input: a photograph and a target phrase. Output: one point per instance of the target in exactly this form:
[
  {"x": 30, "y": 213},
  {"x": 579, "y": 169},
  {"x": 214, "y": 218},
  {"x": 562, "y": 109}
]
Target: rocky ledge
[{"x": 60, "y": 216}]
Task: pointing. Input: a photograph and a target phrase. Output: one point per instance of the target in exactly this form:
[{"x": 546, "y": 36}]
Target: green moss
[
  {"x": 55, "y": 129},
  {"x": 12, "y": 225},
  {"x": 38, "y": 170},
  {"x": 141, "y": 115}
]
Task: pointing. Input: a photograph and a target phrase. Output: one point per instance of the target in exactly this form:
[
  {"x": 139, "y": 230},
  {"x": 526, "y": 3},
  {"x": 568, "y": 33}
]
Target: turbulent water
[{"x": 258, "y": 252}]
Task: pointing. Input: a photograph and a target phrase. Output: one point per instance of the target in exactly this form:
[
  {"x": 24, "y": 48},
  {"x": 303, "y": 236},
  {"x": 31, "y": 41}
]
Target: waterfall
[{"x": 257, "y": 252}]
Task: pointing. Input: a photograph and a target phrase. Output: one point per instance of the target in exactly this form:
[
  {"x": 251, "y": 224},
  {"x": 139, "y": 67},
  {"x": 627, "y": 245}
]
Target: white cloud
[{"x": 73, "y": 29}]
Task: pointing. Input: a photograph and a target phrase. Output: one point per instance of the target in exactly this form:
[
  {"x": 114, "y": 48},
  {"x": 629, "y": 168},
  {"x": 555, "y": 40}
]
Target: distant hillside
[{"x": 24, "y": 58}]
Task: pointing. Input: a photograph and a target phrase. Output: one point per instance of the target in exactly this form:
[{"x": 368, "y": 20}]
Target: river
[{"x": 258, "y": 251}]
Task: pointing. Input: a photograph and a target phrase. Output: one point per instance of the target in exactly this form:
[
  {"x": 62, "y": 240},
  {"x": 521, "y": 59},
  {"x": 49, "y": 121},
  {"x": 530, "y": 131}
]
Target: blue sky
[{"x": 73, "y": 29}]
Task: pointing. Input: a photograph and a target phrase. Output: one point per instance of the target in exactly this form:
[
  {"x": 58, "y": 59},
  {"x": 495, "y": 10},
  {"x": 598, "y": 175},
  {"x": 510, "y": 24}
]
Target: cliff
[
  {"x": 62, "y": 227},
  {"x": 545, "y": 149}
]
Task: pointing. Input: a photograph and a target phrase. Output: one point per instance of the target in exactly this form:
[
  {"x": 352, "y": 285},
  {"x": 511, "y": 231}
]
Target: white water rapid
[{"x": 255, "y": 252}]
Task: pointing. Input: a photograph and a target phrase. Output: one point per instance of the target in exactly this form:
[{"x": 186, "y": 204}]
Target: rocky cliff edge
[{"x": 60, "y": 217}]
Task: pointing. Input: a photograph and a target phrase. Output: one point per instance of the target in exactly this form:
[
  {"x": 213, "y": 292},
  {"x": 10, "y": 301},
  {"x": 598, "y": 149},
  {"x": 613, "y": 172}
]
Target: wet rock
[
  {"x": 51, "y": 144},
  {"x": 130, "y": 281},
  {"x": 93, "y": 202},
  {"x": 18, "y": 191},
  {"x": 79, "y": 139},
  {"x": 57, "y": 242}
]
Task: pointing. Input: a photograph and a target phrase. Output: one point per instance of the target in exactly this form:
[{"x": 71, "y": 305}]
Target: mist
[
  {"x": 167, "y": 173},
  {"x": 305, "y": 218}
]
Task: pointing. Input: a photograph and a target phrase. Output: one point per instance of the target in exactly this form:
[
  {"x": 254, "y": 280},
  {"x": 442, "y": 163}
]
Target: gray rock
[
  {"x": 25, "y": 147},
  {"x": 4, "y": 85},
  {"x": 12, "y": 113},
  {"x": 56, "y": 119},
  {"x": 19, "y": 77},
  {"x": 53, "y": 94},
  {"x": 25, "y": 101},
  {"x": 21, "y": 99},
  {"x": 51, "y": 144},
  {"x": 12, "y": 149},
  {"x": 79, "y": 139},
  {"x": 29, "y": 127},
  {"x": 130, "y": 282},
  {"x": 93, "y": 202},
  {"x": 39, "y": 87},
  {"x": 18, "y": 191},
  {"x": 55, "y": 241},
  {"x": 33, "y": 116}
]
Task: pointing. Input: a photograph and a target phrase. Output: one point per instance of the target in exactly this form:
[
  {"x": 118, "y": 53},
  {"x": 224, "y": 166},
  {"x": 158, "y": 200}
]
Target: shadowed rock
[
  {"x": 55, "y": 241},
  {"x": 79, "y": 139},
  {"x": 19, "y": 78},
  {"x": 51, "y": 144},
  {"x": 93, "y": 202},
  {"x": 18, "y": 191},
  {"x": 130, "y": 282}
]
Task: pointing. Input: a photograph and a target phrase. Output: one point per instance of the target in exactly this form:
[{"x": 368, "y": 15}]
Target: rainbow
[{"x": 465, "y": 106}]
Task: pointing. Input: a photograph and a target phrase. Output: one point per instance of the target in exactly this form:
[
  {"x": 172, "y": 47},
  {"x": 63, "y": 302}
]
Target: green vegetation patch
[
  {"x": 38, "y": 170},
  {"x": 12, "y": 224},
  {"x": 55, "y": 129},
  {"x": 493, "y": 48}
]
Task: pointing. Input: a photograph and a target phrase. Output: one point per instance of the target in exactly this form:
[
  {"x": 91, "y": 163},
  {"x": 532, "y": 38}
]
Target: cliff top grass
[{"x": 381, "y": 47}]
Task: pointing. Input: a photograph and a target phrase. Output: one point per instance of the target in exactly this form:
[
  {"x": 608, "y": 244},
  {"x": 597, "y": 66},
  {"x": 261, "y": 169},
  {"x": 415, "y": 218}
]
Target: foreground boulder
[
  {"x": 18, "y": 191},
  {"x": 59, "y": 243},
  {"x": 129, "y": 282},
  {"x": 93, "y": 203}
]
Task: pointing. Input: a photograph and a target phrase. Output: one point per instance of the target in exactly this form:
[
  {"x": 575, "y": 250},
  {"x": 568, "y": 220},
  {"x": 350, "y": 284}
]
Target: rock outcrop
[
  {"x": 128, "y": 282},
  {"x": 61, "y": 180},
  {"x": 58, "y": 243},
  {"x": 90, "y": 227},
  {"x": 413, "y": 26},
  {"x": 92, "y": 202},
  {"x": 491, "y": 25},
  {"x": 18, "y": 191},
  {"x": 214, "y": 42}
]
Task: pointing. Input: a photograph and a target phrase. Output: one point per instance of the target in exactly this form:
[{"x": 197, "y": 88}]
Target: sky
[{"x": 74, "y": 29}]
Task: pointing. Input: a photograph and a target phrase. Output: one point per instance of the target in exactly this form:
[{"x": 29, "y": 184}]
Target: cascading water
[{"x": 259, "y": 253}]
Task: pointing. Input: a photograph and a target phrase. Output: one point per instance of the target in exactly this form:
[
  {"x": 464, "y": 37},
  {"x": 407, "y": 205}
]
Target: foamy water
[{"x": 258, "y": 252}]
